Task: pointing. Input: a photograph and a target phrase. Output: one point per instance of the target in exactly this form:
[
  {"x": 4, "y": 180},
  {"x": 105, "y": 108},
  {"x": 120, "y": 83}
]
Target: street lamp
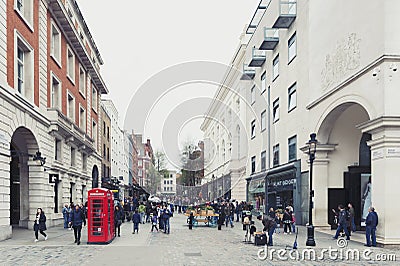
[{"x": 312, "y": 148}]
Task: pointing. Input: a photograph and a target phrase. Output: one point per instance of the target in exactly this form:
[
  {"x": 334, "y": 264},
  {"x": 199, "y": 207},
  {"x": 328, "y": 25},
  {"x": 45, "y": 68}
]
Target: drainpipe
[{"x": 268, "y": 146}]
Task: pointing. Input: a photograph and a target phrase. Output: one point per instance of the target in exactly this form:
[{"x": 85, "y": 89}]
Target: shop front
[{"x": 284, "y": 183}]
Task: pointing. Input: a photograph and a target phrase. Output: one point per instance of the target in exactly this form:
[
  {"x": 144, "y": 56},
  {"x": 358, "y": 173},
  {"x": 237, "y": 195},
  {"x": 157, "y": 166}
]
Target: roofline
[{"x": 86, "y": 28}]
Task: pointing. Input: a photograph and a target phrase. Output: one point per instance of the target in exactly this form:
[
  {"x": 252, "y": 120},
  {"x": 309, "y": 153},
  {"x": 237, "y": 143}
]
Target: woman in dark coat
[
  {"x": 118, "y": 216},
  {"x": 40, "y": 224}
]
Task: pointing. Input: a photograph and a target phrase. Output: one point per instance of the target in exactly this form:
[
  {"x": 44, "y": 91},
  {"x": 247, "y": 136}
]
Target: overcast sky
[{"x": 138, "y": 39}]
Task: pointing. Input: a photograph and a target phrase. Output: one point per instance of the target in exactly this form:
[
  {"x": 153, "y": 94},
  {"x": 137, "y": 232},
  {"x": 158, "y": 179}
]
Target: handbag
[{"x": 119, "y": 222}]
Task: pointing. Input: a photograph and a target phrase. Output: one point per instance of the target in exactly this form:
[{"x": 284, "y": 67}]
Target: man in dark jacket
[
  {"x": 342, "y": 223},
  {"x": 166, "y": 214},
  {"x": 76, "y": 218},
  {"x": 370, "y": 230},
  {"x": 269, "y": 227}
]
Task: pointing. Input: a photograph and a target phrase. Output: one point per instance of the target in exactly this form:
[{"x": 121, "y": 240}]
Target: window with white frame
[
  {"x": 263, "y": 82},
  {"x": 82, "y": 118},
  {"x": 25, "y": 9},
  {"x": 263, "y": 120},
  {"x": 253, "y": 128},
  {"x": 70, "y": 106},
  {"x": 275, "y": 67},
  {"x": 82, "y": 81},
  {"x": 94, "y": 98},
  {"x": 263, "y": 160},
  {"x": 73, "y": 156},
  {"x": 292, "y": 48},
  {"x": 55, "y": 45},
  {"x": 140, "y": 172},
  {"x": 71, "y": 65},
  {"x": 275, "y": 151},
  {"x": 23, "y": 68},
  {"x": 253, "y": 164},
  {"x": 275, "y": 110},
  {"x": 55, "y": 92},
  {"x": 292, "y": 147},
  {"x": 292, "y": 97},
  {"x": 253, "y": 95}
]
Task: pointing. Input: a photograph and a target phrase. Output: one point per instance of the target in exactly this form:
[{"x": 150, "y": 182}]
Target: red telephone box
[{"x": 100, "y": 216}]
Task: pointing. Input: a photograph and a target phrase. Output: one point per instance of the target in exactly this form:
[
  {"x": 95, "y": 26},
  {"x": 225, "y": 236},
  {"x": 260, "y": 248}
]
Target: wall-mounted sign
[
  {"x": 377, "y": 154},
  {"x": 393, "y": 152}
]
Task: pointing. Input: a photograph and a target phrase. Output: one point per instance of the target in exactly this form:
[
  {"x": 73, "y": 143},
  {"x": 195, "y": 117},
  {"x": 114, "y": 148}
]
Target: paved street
[{"x": 200, "y": 246}]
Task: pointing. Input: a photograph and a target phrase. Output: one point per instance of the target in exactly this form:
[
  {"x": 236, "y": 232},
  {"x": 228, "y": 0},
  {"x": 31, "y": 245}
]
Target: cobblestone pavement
[{"x": 200, "y": 246}]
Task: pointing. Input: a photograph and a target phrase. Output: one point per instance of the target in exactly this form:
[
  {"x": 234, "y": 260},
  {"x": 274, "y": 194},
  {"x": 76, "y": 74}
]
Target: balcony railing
[
  {"x": 248, "y": 73},
  {"x": 271, "y": 39},
  {"x": 287, "y": 14},
  {"x": 258, "y": 58}
]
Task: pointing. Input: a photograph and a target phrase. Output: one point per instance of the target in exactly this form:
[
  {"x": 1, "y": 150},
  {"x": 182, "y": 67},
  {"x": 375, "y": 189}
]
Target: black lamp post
[{"x": 312, "y": 148}]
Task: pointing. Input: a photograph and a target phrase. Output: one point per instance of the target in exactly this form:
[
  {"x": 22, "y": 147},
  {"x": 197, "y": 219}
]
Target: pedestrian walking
[
  {"x": 136, "y": 222},
  {"x": 371, "y": 223},
  {"x": 118, "y": 217},
  {"x": 142, "y": 212},
  {"x": 76, "y": 219},
  {"x": 154, "y": 223},
  {"x": 166, "y": 216},
  {"x": 293, "y": 223},
  {"x": 40, "y": 224},
  {"x": 342, "y": 223},
  {"x": 287, "y": 221},
  {"x": 65, "y": 211},
  {"x": 352, "y": 214}
]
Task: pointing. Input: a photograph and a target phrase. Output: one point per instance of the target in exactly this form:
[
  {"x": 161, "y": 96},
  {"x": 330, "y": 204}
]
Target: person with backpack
[
  {"x": 166, "y": 215},
  {"x": 343, "y": 221},
  {"x": 136, "y": 221},
  {"x": 269, "y": 227}
]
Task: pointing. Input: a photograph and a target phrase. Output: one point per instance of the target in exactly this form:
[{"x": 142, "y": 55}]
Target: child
[
  {"x": 154, "y": 223},
  {"x": 136, "y": 220}
]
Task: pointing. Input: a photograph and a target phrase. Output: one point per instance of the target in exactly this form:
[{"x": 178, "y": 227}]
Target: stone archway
[
  {"x": 22, "y": 148},
  {"x": 339, "y": 148},
  {"x": 95, "y": 177}
]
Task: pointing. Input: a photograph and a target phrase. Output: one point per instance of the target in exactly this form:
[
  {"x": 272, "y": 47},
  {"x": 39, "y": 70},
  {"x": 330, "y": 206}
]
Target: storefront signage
[{"x": 284, "y": 182}]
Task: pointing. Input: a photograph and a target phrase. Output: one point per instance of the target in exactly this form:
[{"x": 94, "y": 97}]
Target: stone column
[
  {"x": 385, "y": 181},
  {"x": 320, "y": 184},
  {"x": 5, "y": 227},
  {"x": 37, "y": 188}
]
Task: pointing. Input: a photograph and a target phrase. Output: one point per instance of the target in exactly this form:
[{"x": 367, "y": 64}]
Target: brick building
[{"x": 50, "y": 89}]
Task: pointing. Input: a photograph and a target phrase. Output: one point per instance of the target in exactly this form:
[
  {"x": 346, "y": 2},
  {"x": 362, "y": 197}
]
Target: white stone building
[
  {"x": 168, "y": 183},
  {"x": 325, "y": 67}
]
